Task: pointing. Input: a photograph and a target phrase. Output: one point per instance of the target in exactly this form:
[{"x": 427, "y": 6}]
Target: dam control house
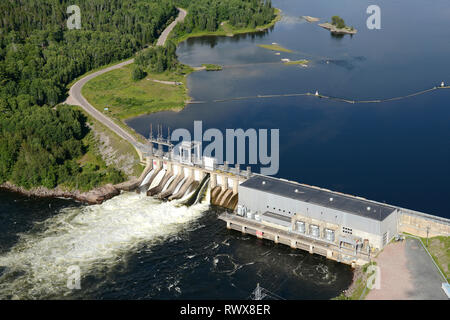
[
  {"x": 339, "y": 226},
  {"x": 344, "y": 228}
]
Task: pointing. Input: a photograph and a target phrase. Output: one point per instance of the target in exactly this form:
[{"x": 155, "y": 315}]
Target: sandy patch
[{"x": 395, "y": 278}]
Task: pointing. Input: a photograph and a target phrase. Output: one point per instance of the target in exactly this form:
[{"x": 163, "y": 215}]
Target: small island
[
  {"x": 338, "y": 26},
  {"x": 299, "y": 62},
  {"x": 274, "y": 47},
  {"x": 212, "y": 67}
]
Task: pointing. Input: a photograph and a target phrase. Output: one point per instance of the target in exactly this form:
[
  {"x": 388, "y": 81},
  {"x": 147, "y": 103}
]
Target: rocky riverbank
[{"x": 96, "y": 196}]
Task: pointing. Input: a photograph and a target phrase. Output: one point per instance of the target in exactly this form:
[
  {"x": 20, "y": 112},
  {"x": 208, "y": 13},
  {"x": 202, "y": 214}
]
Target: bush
[
  {"x": 138, "y": 73},
  {"x": 338, "y": 22}
]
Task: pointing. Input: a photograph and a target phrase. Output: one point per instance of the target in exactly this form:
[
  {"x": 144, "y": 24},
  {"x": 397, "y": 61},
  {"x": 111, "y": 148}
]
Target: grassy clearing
[
  {"x": 274, "y": 47},
  {"x": 126, "y": 98},
  {"x": 95, "y": 70},
  {"x": 225, "y": 29},
  {"x": 439, "y": 248}
]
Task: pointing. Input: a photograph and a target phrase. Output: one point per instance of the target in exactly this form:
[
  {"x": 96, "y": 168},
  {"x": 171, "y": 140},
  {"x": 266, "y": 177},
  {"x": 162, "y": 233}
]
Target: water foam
[{"x": 95, "y": 238}]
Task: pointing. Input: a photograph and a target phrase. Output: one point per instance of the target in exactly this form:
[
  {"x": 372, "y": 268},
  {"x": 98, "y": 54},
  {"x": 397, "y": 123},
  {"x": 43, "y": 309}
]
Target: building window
[{"x": 347, "y": 230}]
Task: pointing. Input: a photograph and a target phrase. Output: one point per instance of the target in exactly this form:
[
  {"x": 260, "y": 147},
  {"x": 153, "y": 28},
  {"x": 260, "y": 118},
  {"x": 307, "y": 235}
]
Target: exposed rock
[
  {"x": 99, "y": 195},
  {"x": 108, "y": 152},
  {"x": 336, "y": 30},
  {"x": 95, "y": 196}
]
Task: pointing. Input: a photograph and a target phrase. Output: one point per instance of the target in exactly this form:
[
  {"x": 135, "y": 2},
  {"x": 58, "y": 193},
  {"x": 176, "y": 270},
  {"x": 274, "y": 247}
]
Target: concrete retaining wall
[{"x": 417, "y": 224}]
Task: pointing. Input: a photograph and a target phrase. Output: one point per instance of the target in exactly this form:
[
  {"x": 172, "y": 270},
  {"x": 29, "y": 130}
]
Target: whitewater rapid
[{"x": 93, "y": 238}]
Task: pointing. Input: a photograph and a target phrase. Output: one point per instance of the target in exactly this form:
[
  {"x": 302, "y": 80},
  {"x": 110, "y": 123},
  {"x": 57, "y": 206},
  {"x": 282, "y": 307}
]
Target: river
[{"x": 133, "y": 247}]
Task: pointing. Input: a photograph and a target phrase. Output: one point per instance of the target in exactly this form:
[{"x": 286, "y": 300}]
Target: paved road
[
  {"x": 425, "y": 277},
  {"x": 162, "y": 39},
  {"x": 76, "y": 98}
]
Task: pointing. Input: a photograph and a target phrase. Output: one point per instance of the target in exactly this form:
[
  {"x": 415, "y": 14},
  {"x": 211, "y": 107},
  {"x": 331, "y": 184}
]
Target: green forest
[
  {"x": 208, "y": 14},
  {"x": 158, "y": 59},
  {"x": 39, "y": 57},
  {"x": 204, "y": 15}
]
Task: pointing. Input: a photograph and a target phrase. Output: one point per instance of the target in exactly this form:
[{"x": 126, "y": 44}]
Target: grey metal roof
[{"x": 320, "y": 197}]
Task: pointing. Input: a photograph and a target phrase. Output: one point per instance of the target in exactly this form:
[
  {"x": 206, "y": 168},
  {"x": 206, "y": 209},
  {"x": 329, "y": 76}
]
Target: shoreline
[
  {"x": 95, "y": 196},
  {"x": 106, "y": 192},
  {"x": 92, "y": 197},
  {"x": 193, "y": 69},
  {"x": 223, "y": 33},
  {"x": 167, "y": 79},
  {"x": 188, "y": 100}
]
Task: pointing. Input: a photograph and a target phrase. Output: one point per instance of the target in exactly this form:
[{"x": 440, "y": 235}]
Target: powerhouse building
[{"x": 317, "y": 213}]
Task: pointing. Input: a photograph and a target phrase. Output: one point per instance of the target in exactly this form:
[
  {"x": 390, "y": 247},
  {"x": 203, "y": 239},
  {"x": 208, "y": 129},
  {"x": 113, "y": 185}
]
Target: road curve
[
  {"x": 77, "y": 99},
  {"x": 163, "y": 37}
]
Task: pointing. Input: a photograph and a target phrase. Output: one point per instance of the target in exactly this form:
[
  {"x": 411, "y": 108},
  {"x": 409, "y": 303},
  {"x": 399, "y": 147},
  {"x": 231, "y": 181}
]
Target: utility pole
[{"x": 428, "y": 230}]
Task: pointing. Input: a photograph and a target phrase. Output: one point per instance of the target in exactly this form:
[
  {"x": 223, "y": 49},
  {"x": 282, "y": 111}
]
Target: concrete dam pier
[
  {"x": 172, "y": 180},
  {"x": 175, "y": 177},
  {"x": 345, "y": 228}
]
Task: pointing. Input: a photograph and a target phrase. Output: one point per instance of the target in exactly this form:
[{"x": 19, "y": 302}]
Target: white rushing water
[
  {"x": 157, "y": 179},
  {"x": 94, "y": 238},
  {"x": 147, "y": 177}
]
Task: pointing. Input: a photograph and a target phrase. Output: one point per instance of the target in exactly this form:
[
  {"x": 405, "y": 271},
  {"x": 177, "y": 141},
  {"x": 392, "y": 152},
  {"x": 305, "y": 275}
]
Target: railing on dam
[
  {"x": 200, "y": 164},
  {"x": 426, "y": 216},
  {"x": 295, "y": 240}
]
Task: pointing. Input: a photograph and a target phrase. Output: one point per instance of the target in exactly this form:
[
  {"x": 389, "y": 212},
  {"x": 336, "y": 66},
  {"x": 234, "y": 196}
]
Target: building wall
[
  {"x": 366, "y": 228},
  {"x": 258, "y": 201},
  {"x": 390, "y": 226}
]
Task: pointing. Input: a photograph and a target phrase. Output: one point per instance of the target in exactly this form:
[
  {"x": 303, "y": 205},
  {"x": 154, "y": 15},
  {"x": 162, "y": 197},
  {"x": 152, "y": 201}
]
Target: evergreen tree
[{"x": 138, "y": 73}]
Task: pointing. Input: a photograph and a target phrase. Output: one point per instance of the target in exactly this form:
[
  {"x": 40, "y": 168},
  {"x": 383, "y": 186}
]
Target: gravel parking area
[{"x": 407, "y": 273}]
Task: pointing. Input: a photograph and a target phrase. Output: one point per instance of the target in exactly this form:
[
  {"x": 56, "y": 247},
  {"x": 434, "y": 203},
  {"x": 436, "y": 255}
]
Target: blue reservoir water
[{"x": 397, "y": 152}]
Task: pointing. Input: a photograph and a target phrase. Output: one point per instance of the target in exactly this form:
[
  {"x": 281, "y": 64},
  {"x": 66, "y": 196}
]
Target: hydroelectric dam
[{"x": 345, "y": 228}]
